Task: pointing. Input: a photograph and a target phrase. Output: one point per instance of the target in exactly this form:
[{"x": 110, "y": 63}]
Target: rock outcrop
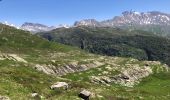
[
  {"x": 128, "y": 77},
  {"x": 67, "y": 68},
  {"x": 132, "y": 76},
  {"x": 13, "y": 57}
]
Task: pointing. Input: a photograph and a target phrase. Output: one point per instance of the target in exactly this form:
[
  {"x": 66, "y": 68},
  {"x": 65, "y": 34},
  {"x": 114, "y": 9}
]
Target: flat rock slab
[{"x": 59, "y": 85}]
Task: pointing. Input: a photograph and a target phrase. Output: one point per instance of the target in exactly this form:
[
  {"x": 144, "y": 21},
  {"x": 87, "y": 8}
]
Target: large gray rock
[
  {"x": 60, "y": 85},
  {"x": 85, "y": 94}
]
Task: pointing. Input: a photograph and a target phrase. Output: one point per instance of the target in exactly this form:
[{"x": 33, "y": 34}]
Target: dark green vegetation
[
  {"x": 160, "y": 30},
  {"x": 114, "y": 42},
  {"x": 18, "y": 80}
]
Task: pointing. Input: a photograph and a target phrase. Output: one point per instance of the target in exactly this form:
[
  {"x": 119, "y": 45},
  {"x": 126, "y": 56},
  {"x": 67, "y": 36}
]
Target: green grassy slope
[{"x": 18, "y": 80}]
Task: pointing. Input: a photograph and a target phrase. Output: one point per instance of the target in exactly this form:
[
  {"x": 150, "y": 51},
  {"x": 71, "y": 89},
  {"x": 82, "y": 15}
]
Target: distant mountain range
[
  {"x": 130, "y": 18},
  {"x": 36, "y": 27},
  {"x": 154, "y": 21}
]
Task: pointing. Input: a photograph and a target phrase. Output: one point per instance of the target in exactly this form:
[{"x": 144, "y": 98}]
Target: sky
[{"x": 54, "y": 12}]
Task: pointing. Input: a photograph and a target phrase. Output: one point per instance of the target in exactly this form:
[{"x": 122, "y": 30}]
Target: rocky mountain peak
[
  {"x": 33, "y": 24},
  {"x": 36, "y": 27},
  {"x": 128, "y": 18},
  {"x": 125, "y": 13},
  {"x": 87, "y": 22}
]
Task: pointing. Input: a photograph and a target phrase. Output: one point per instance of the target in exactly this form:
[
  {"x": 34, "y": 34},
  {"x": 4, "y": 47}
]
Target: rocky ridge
[
  {"x": 130, "y": 18},
  {"x": 36, "y": 27},
  {"x": 128, "y": 75},
  {"x": 13, "y": 57}
]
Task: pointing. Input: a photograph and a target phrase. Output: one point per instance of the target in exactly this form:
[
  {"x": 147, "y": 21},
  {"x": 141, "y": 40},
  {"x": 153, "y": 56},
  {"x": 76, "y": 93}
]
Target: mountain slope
[
  {"x": 29, "y": 65},
  {"x": 114, "y": 42}
]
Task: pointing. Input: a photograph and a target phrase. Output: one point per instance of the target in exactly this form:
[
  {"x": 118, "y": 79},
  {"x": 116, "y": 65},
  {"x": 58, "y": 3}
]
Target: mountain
[
  {"x": 9, "y": 24},
  {"x": 156, "y": 22},
  {"x": 138, "y": 44},
  {"x": 130, "y": 18},
  {"x": 37, "y": 69},
  {"x": 88, "y": 22},
  {"x": 63, "y": 26},
  {"x": 36, "y": 27},
  {"x": 137, "y": 18}
]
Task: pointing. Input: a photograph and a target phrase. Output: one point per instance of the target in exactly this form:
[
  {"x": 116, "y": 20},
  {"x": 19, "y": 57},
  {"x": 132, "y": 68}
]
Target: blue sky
[{"x": 53, "y": 12}]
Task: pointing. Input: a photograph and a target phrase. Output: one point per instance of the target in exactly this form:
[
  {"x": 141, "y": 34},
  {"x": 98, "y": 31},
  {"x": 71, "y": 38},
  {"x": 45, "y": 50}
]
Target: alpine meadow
[{"x": 84, "y": 50}]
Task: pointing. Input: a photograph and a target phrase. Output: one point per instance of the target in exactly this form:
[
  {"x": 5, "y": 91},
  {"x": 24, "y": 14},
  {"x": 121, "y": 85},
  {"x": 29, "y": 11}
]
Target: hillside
[
  {"x": 138, "y": 44},
  {"x": 30, "y": 65}
]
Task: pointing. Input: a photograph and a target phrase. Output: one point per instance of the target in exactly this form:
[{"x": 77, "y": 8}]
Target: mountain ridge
[
  {"x": 153, "y": 21},
  {"x": 130, "y": 17}
]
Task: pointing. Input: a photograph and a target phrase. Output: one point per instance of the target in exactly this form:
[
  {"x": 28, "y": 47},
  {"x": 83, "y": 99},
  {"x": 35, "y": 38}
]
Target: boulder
[
  {"x": 85, "y": 94},
  {"x": 59, "y": 85}
]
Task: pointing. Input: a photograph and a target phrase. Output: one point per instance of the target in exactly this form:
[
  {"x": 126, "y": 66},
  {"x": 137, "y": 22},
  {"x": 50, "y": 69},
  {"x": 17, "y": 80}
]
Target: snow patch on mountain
[
  {"x": 36, "y": 27},
  {"x": 9, "y": 24},
  {"x": 129, "y": 18}
]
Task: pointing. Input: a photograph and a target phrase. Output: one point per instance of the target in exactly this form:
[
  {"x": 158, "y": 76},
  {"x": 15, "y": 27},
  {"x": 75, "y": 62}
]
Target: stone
[
  {"x": 105, "y": 72},
  {"x": 44, "y": 68},
  {"x": 36, "y": 96},
  {"x": 13, "y": 57},
  {"x": 4, "y": 98},
  {"x": 59, "y": 85},
  {"x": 17, "y": 58},
  {"x": 107, "y": 80},
  {"x": 85, "y": 94},
  {"x": 109, "y": 68}
]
